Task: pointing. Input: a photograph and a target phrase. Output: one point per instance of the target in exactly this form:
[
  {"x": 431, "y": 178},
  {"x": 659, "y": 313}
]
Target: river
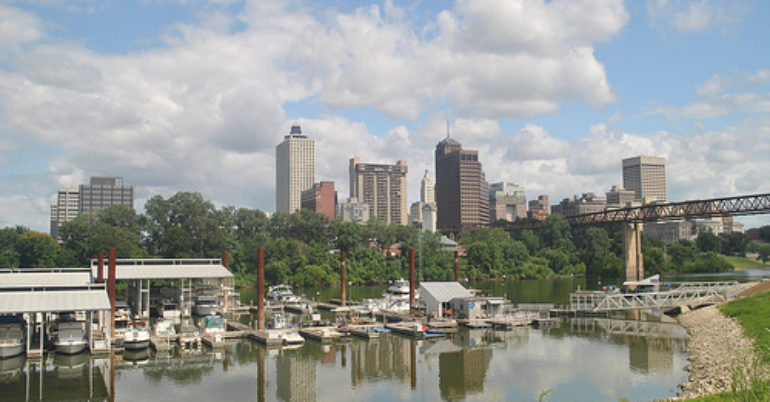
[{"x": 585, "y": 359}]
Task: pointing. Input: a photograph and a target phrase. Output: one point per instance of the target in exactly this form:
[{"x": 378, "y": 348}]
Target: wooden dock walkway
[
  {"x": 369, "y": 332},
  {"x": 413, "y": 329},
  {"x": 324, "y": 335}
]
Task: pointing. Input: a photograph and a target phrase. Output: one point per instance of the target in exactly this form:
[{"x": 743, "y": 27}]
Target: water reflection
[{"x": 582, "y": 359}]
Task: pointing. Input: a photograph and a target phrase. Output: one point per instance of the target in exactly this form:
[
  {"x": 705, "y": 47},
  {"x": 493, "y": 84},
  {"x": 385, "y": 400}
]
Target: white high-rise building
[
  {"x": 427, "y": 194},
  {"x": 64, "y": 209},
  {"x": 294, "y": 170},
  {"x": 646, "y": 177}
]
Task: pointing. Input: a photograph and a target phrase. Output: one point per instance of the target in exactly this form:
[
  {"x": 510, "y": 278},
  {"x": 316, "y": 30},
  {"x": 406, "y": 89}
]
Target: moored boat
[
  {"x": 168, "y": 308},
  {"x": 205, "y": 305},
  {"x": 164, "y": 327},
  {"x": 69, "y": 337},
  {"x": 189, "y": 336},
  {"x": 212, "y": 324},
  {"x": 12, "y": 333},
  {"x": 136, "y": 336}
]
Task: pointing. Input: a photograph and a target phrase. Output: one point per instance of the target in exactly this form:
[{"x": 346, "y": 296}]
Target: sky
[{"x": 194, "y": 95}]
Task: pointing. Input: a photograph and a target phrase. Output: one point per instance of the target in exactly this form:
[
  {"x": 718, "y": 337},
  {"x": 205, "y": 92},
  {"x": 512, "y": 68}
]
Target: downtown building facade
[
  {"x": 423, "y": 213},
  {"x": 462, "y": 193},
  {"x": 382, "y": 187},
  {"x": 507, "y": 202},
  {"x": 646, "y": 177},
  {"x": 294, "y": 170},
  {"x": 321, "y": 198},
  {"x": 538, "y": 208},
  {"x": 101, "y": 192}
]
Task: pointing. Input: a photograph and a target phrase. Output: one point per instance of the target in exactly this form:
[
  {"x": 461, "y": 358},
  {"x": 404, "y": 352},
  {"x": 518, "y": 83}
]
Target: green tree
[
  {"x": 655, "y": 260},
  {"x": 707, "y": 241},
  {"x": 555, "y": 227},
  {"x": 681, "y": 253},
  {"x": 530, "y": 240},
  {"x": 733, "y": 243},
  {"x": 37, "y": 250}
]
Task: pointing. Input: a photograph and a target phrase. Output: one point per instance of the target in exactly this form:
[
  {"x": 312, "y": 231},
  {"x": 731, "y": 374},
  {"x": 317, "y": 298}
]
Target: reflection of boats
[
  {"x": 168, "y": 308},
  {"x": 212, "y": 324},
  {"x": 138, "y": 356},
  {"x": 69, "y": 337},
  {"x": 71, "y": 365},
  {"x": 164, "y": 326},
  {"x": 11, "y": 368},
  {"x": 136, "y": 336},
  {"x": 11, "y": 337},
  {"x": 205, "y": 305}
]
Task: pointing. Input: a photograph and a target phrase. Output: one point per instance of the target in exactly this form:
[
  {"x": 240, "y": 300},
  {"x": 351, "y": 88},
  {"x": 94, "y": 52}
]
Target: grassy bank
[
  {"x": 745, "y": 263},
  {"x": 753, "y": 313}
]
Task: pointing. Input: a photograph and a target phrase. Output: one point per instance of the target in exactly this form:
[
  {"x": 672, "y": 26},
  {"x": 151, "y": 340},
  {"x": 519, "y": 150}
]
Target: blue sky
[{"x": 195, "y": 95}]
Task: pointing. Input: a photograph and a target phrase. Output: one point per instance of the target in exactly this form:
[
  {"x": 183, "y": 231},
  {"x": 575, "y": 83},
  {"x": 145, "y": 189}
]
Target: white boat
[
  {"x": 282, "y": 294},
  {"x": 371, "y": 306},
  {"x": 136, "y": 336},
  {"x": 122, "y": 308},
  {"x": 292, "y": 338},
  {"x": 11, "y": 339},
  {"x": 399, "y": 305},
  {"x": 398, "y": 290},
  {"x": 278, "y": 321},
  {"x": 212, "y": 324},
  {"x": 121, "y": 323},
  {"x": 168, "y": 308},
  {"x": 164, "y": 327},
  {"x": 205, "y": 305},
  {"x": 69, "y": 337}
]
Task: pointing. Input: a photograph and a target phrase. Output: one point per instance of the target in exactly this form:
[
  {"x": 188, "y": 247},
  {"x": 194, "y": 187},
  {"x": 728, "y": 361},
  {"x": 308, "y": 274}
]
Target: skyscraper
[
  {"x": 294, "y": 170},
  {"x": 646, "y": 176},
  {"x": 462, "y": 195},
  {"x": 427, "y": 195},
  {"x": 507, "y": 201},
  {"x": 103, "y": 192},
  {"x": 382, "y": 187},
  {"x": 65, "y": 209}
]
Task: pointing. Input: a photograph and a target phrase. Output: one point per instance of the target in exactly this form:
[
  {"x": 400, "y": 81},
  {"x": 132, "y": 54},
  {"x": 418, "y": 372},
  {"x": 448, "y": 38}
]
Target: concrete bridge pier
[{"x": 633, "y": 262}]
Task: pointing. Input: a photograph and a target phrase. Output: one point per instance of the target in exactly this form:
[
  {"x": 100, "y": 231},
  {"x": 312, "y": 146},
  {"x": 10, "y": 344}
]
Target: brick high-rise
[{"x": 462, "y": 194}]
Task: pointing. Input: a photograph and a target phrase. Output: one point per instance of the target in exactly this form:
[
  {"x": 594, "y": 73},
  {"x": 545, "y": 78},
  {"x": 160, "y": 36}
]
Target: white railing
[{"x": 601, "y": 301}]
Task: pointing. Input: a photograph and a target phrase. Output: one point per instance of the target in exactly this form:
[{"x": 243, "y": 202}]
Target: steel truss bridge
[
  {"x": 729, "y": 206},
  {"x": 688, "y": 294}
]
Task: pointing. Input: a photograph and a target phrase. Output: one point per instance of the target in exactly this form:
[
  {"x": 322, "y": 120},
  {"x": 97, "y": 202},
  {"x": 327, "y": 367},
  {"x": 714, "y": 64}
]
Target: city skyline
[{"x": 187, "y": 96}]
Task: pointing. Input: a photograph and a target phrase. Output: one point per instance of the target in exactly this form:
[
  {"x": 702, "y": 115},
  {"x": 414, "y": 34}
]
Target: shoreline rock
[{"x": 717, "y": 346}]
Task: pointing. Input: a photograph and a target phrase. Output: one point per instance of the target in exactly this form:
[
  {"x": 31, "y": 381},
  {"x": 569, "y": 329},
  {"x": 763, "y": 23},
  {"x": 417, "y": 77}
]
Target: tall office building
[
  {"x": 65, "y": 209},
  {"x": 462, "y": 195},
  {"x": 321, "y": 198},
  {"x": 382, "y": 187},
  {"x": 427, "y": 194},
  {"x": 102, "y": 192},
  {"x": 646, "y": 176},
  {"x": 507, "y": 201},
  {"x": 294, "y": 170}
]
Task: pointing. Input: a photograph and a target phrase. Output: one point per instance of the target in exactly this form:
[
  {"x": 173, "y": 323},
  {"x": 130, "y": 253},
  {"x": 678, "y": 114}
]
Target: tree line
[{"x": 303, "y": 248}]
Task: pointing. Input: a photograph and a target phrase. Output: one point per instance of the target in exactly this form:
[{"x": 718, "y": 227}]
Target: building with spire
[
  {"x": 462, "y": 195},
  {"x": 427, "y": 194},
  {"x": 294, "y": 170}
]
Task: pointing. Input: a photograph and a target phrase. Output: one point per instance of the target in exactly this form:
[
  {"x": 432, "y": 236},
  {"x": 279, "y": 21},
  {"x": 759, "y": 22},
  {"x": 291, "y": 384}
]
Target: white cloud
[{"x": 18, "y": 27}]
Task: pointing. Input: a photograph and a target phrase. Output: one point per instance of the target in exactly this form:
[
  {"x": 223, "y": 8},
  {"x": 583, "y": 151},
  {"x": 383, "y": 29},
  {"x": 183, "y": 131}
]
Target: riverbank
[{"x": 716, "y": 347}]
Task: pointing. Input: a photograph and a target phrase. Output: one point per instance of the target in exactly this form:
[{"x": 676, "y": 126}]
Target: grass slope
[{"x": 744, "y": 263}]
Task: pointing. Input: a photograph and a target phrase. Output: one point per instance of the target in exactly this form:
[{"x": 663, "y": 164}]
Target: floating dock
[
  {"x": 365, "y": 331},
  {"x": 413, "y": 329},
  {"x": 321, "y": 334},
  {"x": 163, "y": 343}
]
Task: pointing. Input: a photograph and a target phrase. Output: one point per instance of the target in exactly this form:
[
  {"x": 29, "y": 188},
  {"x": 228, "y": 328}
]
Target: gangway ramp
[{"x": 691, "y": 294}]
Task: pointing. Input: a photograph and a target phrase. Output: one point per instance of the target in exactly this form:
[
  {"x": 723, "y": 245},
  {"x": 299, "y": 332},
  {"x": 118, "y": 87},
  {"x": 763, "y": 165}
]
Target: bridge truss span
[
  {"x": 601, "y": 301},
  {"x": 730, "y": 206}
]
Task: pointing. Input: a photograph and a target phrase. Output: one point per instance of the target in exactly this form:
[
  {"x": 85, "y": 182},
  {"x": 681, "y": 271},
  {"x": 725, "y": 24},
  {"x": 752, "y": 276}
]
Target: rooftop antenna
[{"x": 447, "y": 128}]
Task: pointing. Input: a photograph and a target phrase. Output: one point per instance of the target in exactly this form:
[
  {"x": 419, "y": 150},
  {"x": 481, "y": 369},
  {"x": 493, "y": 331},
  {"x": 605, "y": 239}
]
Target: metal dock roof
[
  {"x": 44, "y": 278},
  {"x": 52, "y": 301},
  {"x": 166, "y": 269}
]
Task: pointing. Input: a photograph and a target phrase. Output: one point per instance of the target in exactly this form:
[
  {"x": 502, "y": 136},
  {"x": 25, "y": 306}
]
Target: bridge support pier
[{"x": 633, "y": 262}]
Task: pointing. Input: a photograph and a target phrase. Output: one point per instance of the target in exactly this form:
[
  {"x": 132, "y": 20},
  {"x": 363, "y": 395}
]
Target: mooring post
[
  {"x": 261, "y": 290},
  {"x": 343, "y": 284},
  {"x": 411, "y": 278},
  {"x": 111, "y": 289},
  {"x": 457, "y": 267}
]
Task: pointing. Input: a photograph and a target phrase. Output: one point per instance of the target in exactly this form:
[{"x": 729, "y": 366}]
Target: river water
[{"x": 638, "y": 357}]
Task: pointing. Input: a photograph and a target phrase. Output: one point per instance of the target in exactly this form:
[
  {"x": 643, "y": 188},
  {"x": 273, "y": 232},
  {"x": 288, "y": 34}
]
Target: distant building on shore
[{"x": 294, "y": 170}]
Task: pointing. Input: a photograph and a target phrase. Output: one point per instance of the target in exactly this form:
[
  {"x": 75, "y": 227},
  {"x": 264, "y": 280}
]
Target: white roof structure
[
  {"x": 52, "y": 301},
  {"x": 166, "y": 269},
  {"x": 443, "y": 291},
  {"x": 44, "y": 278}
]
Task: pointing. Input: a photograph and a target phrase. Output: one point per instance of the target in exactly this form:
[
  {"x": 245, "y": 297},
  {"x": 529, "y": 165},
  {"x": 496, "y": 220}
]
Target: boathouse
[{"x": 438, "y": 294}]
